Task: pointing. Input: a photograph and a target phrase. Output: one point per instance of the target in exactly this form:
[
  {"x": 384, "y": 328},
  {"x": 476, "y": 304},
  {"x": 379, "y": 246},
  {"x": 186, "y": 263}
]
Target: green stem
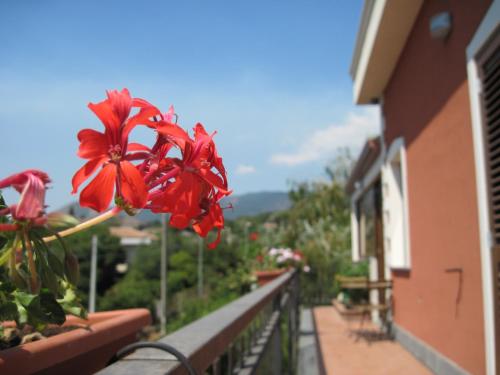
[
  {"x": 31, "y": 263},
  {"x": 85, "y": 225}
]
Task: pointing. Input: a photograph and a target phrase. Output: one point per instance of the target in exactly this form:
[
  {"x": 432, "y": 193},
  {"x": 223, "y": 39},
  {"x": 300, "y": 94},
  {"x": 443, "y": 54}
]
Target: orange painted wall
[{"x": 427, "y": 102}]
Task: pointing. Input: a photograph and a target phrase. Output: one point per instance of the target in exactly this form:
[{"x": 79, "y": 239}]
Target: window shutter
[
  {"x": 491, "y": 113},
  {"x": 489, "y": 73}
]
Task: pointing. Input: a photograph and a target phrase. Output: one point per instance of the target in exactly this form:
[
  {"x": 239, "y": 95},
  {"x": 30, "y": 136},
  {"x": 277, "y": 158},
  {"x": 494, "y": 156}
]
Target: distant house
[
  {"x": 131, "y": 239},
  {"x": 426, "y": 192}
]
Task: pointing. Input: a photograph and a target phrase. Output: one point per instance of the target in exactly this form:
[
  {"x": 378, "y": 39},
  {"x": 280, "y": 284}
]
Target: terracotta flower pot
[
  {"x": 266, "y": 276},
  {"x": 80, "y": 351}
]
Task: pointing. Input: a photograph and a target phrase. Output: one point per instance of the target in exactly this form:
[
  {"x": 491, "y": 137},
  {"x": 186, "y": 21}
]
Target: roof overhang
[{"x": 385, "y": 26}]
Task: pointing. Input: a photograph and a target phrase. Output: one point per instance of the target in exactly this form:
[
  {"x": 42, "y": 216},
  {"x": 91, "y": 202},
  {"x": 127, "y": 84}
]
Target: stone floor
[{"x": 349, "y": 349}]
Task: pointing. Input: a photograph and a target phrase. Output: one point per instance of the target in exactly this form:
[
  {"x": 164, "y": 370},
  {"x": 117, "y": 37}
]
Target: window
[
  {"x": 366, "y": 219},
  {"x": 366, "y": 212},
  {"x": 395, "y": 207}
]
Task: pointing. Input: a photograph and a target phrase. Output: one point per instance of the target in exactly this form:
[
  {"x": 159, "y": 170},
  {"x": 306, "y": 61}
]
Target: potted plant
[
  {"x": 38, "y": 272},
  {"x": 276, "y": 261}
]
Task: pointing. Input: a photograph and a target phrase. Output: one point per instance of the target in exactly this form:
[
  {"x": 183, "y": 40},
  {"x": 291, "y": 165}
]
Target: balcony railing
[{"x": 255, "y": 334}]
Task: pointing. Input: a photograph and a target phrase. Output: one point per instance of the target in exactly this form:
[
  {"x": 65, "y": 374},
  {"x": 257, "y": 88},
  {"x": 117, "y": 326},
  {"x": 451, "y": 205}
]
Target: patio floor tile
[{"x": 348, "y": 349}]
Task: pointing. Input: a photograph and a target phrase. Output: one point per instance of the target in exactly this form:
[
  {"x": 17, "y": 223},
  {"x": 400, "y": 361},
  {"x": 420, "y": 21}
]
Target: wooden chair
[{"x": 365, "y": 310}]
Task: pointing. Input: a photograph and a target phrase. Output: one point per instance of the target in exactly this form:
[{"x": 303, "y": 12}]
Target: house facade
[{"x": 426, "y": 192}]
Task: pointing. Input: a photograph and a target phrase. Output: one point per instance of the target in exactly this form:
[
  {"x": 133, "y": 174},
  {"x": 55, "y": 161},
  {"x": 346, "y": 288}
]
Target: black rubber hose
[{"x": 155, "y": 345}]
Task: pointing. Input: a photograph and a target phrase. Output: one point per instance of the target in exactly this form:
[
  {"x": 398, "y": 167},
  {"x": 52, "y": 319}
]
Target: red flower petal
[
  {"x": 85, "y": 172},
  {"x": 203, "y": 226},
  {"x": 181, "y": 198},
  {"x": 213, "y": 245},
  {"x": 143, "y": 117},
  {"x": 179, "y": 221},
  {"x": 107, "y": 115},
  {"x": 32, "y": 201},
  {"x": 121, "y": 102},
  {"x": 141, "y": 103},
  {"x": 93, "y": 144},
  {"x": 133, "y": 187},
  {"x": 213, "y": 180},
  {"x": 98, "y": 194},
  {"x": 137, "y": 147},
  {"x": 18, "y": 180},
  {"x": 171, "y": 130},
  {"x": 213, "y": 219}
]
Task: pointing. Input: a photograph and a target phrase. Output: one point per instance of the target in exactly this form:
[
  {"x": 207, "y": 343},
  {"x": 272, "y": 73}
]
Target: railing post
[
  {"x": 230, "y": 360},
  {"x": 296, "y": 318},
  {"x": 277, "y": 358},
  {"x": 215, "y": 367},
  {"x": 291, "y": 332}
]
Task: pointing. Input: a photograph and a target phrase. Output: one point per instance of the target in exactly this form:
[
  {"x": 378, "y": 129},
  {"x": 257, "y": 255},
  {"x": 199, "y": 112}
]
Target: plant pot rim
[
  {"x": 274, "y": 271},
  {"x": 100, "y": 329}
]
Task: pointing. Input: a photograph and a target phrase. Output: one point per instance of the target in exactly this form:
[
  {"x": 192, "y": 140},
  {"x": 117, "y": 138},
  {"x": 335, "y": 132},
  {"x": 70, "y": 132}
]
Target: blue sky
[{"x": 270, "y": 76}]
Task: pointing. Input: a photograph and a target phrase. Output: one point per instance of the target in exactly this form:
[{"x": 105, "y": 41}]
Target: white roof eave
[{"x": 384, "y": 29}]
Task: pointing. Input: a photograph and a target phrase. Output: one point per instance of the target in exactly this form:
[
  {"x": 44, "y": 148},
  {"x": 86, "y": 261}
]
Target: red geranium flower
[
  {"x": 195, "y": 183},
  {"x": 109, "y": 150}
]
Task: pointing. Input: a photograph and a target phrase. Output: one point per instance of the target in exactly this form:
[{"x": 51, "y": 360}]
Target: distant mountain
[{"x": 249, "y": 204}]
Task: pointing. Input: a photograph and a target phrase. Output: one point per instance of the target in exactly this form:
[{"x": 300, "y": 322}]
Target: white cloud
[
  {"x": 245, "y": 169},
  {"x": 323, "y": 143}
]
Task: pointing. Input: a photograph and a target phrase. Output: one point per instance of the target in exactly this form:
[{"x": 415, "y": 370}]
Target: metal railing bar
[{"x": 209, "y": 337}]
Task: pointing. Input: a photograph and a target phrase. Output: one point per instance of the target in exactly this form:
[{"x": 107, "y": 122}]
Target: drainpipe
[{"x": 383, "y": 147}]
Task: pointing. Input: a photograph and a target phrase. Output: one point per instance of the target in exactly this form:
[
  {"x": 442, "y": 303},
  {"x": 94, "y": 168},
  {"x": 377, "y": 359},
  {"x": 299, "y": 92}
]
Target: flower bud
[
  {"x": 71, "y": 268},
  {"x": 61, "y": 220}
]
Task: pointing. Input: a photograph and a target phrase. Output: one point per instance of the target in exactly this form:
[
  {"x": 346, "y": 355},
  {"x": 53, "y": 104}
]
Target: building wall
[{"x": 427, "y": 102}]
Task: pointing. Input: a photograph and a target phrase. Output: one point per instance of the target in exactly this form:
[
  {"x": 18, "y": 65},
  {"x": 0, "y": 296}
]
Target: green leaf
[
  {"x": 19, "y": 277},
  {"x": 49, "y": 279},
  {"x": 69, "y": 296},
  {"x": 53, "y": 261},
  {"x": 71, "y": 268},
  {"x": 47, "y": 273},
  {"x": 7, "y": 287},
  {"x": 24, "y": 298},
  {"x": 71, "y": 304},
  {"x": 76, "y": 310},
  {"x": 40, "y": 310},
  {"x": 8, "y": 311},
  {"x": 2, "y": 201},
  {"x": 3, "y": 219},
  {"x": 22, "y": 315},
  {"x": 55, "y": 264},
  {"x": 51, "y": 310},
  {"x": 5, "y": 253}
]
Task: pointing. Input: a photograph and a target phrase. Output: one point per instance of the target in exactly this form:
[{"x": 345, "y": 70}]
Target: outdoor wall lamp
[{"x": 440, "y": 25}]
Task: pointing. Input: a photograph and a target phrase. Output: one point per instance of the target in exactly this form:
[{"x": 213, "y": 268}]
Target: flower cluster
[
  {"x": 284, "y": 257},
  {"x": 37, "y": 279},
  {"x": 189, "y": 188}
]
